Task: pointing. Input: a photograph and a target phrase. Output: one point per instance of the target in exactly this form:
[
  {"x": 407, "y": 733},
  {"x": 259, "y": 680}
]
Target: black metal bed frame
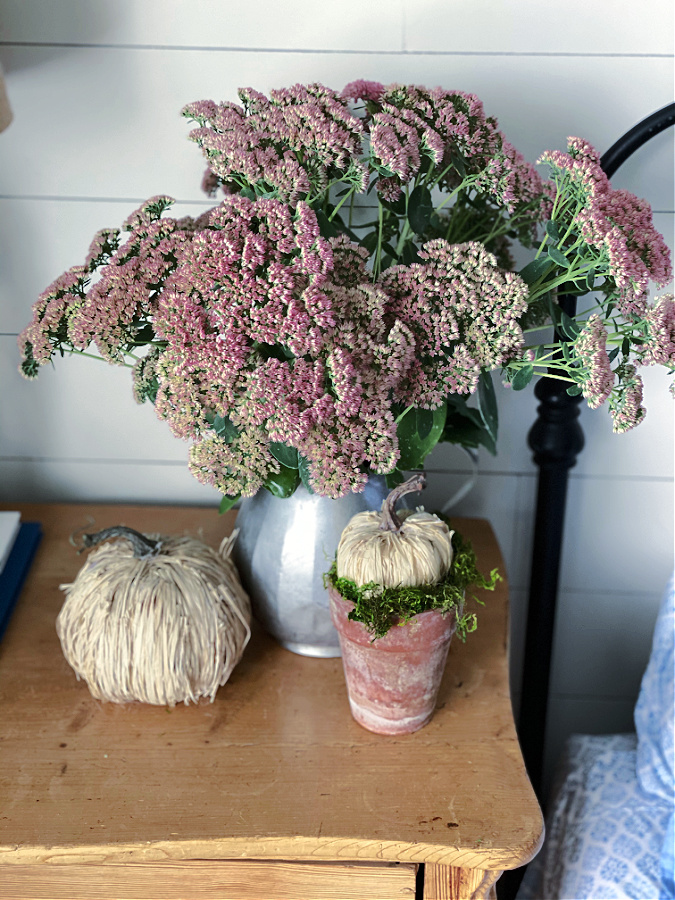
[{"x": 556, "y": 439}]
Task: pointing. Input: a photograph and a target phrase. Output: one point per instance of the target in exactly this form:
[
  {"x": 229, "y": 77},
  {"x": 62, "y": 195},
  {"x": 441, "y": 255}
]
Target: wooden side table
[{"x": 273, "y": 791}]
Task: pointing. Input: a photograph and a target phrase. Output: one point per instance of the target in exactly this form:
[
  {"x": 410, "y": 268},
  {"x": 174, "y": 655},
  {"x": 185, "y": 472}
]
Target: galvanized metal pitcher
[{"x": 282, "y": 552}]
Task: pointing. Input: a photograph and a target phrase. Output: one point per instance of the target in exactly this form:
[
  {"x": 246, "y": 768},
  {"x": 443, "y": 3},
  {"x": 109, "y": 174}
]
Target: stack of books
[{"x": 18, "y": 543}]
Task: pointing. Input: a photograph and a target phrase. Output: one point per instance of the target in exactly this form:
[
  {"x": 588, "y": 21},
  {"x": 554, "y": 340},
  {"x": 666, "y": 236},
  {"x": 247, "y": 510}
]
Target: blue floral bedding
[
  {"x": 604, "y": 833},
  {"x": 611, "y": 821}
]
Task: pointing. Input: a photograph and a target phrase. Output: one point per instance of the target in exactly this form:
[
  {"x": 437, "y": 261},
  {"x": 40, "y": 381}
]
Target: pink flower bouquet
[{"x": 333, "y": 314}]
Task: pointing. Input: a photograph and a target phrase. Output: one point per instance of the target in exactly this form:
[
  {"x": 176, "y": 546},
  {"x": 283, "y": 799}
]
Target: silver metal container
[{"x": 282, "y": 552}]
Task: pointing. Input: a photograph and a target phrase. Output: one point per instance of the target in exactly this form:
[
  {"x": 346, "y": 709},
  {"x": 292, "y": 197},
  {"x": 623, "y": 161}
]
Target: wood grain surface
[
  {"x": 451, "y": 883},
  {"x": 275, "y": 768},
  {"x": 211, "y": 880}
]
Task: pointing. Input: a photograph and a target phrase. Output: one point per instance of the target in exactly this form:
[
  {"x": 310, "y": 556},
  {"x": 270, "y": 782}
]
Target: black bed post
[{"x": 556, "y": 439}]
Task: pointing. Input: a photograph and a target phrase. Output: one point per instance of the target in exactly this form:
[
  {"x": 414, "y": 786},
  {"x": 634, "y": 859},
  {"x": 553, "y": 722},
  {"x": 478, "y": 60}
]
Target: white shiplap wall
[{"x": 97, "y": 88}]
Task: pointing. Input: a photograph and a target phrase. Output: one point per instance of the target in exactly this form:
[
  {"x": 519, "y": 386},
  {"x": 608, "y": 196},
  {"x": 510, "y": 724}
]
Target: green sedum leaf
[
  {"x": 327, "y": 228},
  {"x": 417, "y": 437},
  {"x": 287, "y": 456},
  {"x": 558, "y": 257},
  {"x": 420, "y": 208},
  {"x": 464, "y": 425},
  {"x": 522, "y": 378},
  {"x": 552, "y": 231},
  {"x": 409, "y": 254},
  {"x": 282, "y": 483},
  {"x": 535, "y": 270},
  {"x": 425, "y": 422},
  {"x": 303, "y": 470},
  {"x": 487, "y": 404},
  {"x": 568, "y": 326},
  {"x": 369, "y": 241},
  {"x": 227, "y": 502},
  {"x": 224, "y": 428},
  {"x": 393, "y": 479}
]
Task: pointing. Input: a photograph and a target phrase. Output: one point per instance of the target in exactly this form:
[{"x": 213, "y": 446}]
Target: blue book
[{"x": 16, "y": 568}]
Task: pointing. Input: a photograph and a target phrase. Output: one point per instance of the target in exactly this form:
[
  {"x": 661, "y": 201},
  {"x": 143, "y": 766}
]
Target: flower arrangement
[{"x": 336, "y": 310}]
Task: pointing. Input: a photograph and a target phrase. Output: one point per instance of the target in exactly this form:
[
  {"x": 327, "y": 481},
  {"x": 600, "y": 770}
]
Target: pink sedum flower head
[
  {"x": 463, "y": 311},
  {"x": 597, "y": 377},
  {"x": 268, "y": 324},
  {"x": 615, "y": 225},
  {"x": 659, "y": 346},
  {"x": 626, "y": 402},
  {"x": 287, "y": 145},
  {"x": 363, "y": 90}
]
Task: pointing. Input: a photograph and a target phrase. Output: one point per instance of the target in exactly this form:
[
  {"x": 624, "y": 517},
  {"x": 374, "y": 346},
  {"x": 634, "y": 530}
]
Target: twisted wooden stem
[
  {"x": 390, "y": 520},
  {"x": 143, "y": 547}
]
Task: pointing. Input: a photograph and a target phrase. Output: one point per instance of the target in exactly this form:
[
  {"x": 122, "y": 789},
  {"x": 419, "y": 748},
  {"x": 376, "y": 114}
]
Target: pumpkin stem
[
  {"x": 143, "y": 547},
  {"x": 390, "y": 521}
]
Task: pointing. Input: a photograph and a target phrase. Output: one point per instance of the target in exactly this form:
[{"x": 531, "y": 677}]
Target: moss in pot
[{"x": 397, "y": 591}]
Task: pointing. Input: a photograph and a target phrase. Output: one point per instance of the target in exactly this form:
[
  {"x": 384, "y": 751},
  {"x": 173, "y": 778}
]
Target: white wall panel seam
[
  {"x": 95, "y": 460},
  {"x": 603, "y": 698},
  {"x": 74, "y": 198},
  {"x": 67, "y": 45}
]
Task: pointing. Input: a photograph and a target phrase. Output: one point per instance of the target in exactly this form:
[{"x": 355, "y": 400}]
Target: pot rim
[{"x": 421, "y": 631}]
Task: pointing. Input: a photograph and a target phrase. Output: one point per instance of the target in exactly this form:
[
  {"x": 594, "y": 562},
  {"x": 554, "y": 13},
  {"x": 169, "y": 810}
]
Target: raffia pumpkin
[
  {"x": 157, "y": 619},
  {"x": 393, "y": 549}
]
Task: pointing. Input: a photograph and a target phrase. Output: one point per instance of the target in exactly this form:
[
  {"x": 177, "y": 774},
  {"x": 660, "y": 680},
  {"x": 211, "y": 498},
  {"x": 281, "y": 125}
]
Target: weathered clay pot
[{"x": 393, "y": 681}]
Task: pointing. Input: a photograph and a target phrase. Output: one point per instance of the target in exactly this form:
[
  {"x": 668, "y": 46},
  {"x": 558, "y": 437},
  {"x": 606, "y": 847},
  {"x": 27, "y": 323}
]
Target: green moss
[{"x": 379, "y": 608}]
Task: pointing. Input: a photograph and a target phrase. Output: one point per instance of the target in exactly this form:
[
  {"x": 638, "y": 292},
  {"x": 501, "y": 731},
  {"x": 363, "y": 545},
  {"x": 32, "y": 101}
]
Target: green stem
[
  {"x": 467, "y": 182},
  {"x": 377, "y": 262},
  {"x": 548, "y": 374},
  {"x": 337, "y": 208},
  {"x": 403, "y": 414},
  {"x": 538, "y": 328},
  {"x": 405, "y": 230},
  {"x": 73, "y": 352},
  {"x": 540, "y": 287}
]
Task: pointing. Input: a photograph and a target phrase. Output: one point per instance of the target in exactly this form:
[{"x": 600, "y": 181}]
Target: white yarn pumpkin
[
  {"x": 404, "y": 550},
  {"x": 163, "y": 627}
]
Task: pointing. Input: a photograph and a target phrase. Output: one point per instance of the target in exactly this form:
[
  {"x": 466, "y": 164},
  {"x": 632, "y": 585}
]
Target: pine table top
[{"x": 275, "y": 768}]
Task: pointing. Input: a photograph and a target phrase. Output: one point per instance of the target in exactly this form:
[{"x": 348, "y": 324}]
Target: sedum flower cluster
[
  {"x": 603, "y": 241},
  {"x": 331, "y": 315}
]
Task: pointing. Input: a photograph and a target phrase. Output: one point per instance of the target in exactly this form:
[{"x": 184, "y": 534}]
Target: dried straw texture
[
  {"x": 420, "y": 553},
  {"x": 161, "y": 630}
]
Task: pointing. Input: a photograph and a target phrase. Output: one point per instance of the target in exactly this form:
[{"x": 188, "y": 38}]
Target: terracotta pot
[{"x": 393, "y": 681}]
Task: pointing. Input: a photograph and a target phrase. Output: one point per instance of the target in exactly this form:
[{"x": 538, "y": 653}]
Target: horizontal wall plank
[
  {"x": 115, "y": 481},
  {"x": 600, "y": 27},
  {"x": 78, "y": 408},
  {"x": 602, "y": 643},
  {"x": 618, "y": 536},
  {"x": 132, "y": 141},
  {"x": 526, "y": 27},
  {"x": 208, "y": 24},
  {"x": 41, "y": 238}
]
